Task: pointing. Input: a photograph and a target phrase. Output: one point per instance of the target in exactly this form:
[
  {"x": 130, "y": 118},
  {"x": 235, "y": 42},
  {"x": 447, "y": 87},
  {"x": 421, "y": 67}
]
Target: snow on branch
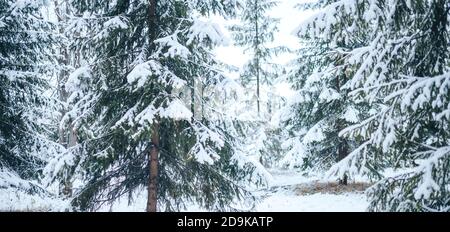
[
  {"x": 142, "y": 72},
  {"x": 353, "y": 164},
  {"x": 73, "y": 83},
  {"x": 176, "y": 110},
  {"x": 202, "y": 151},
  {"x": 174, "y": 48},
  {"x": 113, "y": 24},
  {"x": 420, "y": 93},
  {"x": 203, "y": 29},
  {"x": 204, "y": 154},
  {"x": 322, "y": 21},
  {"x": 427, "y": 184}
]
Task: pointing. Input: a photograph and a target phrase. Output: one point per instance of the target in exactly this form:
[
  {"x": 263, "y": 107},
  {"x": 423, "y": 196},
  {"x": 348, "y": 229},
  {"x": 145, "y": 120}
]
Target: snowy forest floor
[
  {"x": 289, "y": 191},
  {"x": 292, "y": 192}
]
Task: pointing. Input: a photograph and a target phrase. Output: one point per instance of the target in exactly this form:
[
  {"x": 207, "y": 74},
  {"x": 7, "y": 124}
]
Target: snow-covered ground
[
  {"x": 289, "y": 202},
  {"x": 14, "y": 195},
  {"x": 282, "y": 199},
  {"x": 279, "y": 197},
  {"x": 14, "y": 200}
]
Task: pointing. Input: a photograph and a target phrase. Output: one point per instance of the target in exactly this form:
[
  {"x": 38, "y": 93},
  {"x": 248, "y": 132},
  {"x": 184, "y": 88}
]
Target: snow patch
[
  {"x": 203, "y": 29},
  {"x": 176, "y": 110}
]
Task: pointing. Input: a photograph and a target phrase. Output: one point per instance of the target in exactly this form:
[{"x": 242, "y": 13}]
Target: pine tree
[
  {"x": 400, "y": 69},
  {"x": 139, "y": 60},
  {"x": 320, "y": 108},
  {"x": 67, "y": 59},
  {"x": 255, "y": 33},
  {"x": 26, "y": 63}
]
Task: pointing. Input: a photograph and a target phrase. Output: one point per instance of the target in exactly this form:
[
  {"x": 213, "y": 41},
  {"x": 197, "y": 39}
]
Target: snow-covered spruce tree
[
  {"x": 67, "y": 58},
  {"x": 320, "y": 108},
  {"x": 401, "y": 68},
  {"x": 255, "y": 33},
  {"x": 26, "y": 62},
  {"x": 139, "y": 59}
]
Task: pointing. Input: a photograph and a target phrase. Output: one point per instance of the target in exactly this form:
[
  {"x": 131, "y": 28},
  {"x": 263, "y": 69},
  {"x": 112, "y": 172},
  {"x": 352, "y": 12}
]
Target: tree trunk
[
  {"x": 257, "y": 90},
  {"x": 154, "y": 151},
  {"x": 152, "y": 22},
  {"x": 257, "y": 58},
  {"x": 153, "y": 165},
  {"x": 342, "y": 153},
  {"x": 193, "y": 99},
  {"x": 63, "y": 74},
  {"x": 67, "y": 136},
  {"x": 343, "y": 145}
]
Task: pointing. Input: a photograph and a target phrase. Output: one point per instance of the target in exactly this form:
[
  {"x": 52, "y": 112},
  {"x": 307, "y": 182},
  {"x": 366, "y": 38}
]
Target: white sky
[{"x": 290, "y": 18}]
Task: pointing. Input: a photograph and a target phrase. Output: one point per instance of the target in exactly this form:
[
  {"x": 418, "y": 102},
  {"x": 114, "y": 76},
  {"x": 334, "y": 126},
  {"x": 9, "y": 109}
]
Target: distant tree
[
  {"x": 255, "y": 33},
  {"x": 321, "y": 106}
]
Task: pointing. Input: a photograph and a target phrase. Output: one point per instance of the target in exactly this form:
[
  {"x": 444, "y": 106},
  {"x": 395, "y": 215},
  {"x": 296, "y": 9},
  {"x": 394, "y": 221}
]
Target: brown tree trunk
[
  {"x": 342, "y": 146},
  {"x": 342, "y": 153},
  {"x": 153, "y": 165},
  {"x": 152, "y": 188},
  {"x": 152, "y": 21}
]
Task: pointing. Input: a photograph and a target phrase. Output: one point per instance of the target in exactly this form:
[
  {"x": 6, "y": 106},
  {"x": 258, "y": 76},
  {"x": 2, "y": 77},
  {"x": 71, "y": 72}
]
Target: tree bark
[
  {"x": 342, "y": 146},
  {"x": 152, "y": 22},
  {"x": 342, "y": 153},
  {"x": 154, "y": 151},
  {"x": 153, "y": 165}
]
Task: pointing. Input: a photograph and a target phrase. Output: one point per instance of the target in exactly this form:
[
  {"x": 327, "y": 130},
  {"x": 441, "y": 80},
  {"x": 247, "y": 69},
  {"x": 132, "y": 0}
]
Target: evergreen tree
[
  {"x": 255, "y": 33},
  {"x": 399, "y": 67},
  {"x": 139, "y": 60},
  {"x": 320, "y": 108},
  {"x": 26, "y": 63},
  {"x": 67, "y": 59}
]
